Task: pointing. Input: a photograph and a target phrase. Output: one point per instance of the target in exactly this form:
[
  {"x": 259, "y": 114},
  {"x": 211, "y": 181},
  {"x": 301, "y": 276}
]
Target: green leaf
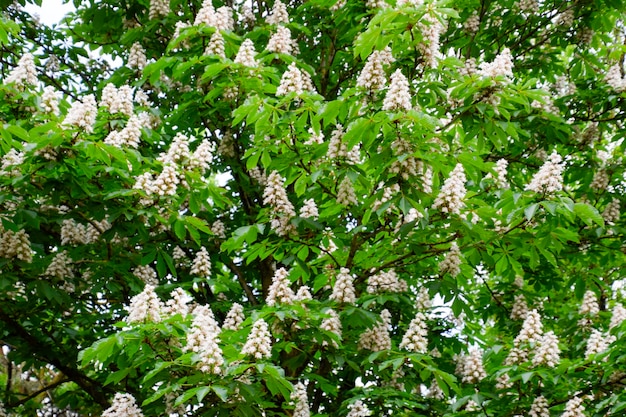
[{"x": 588, "y": 214}]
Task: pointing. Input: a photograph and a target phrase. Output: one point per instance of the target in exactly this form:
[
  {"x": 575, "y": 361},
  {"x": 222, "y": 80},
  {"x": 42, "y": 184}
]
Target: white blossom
[
  {"x": 612, "y": 212},
  {"x": 158, "y": 8},
  {"x": 309, "y": 209},
  {"x": 386, "y": 281},
  {"x": 216, "y": 45},
  {"x": 246, "y": 53},
  {"x": 82, "y": 114},
  {"x": 597, "y": 343},
  {"x": 539, "y": 408},
  {"x": 332, "y": 324},
  {"x": 520, "y": 308},
  {"x": 343, "y": 290},
  {"x": 146, "y": 273},
  {"x": 291, "y": 81},
  {"x": 398, "y": 95},
  {"x": 280, "y": 291},
  {"x": 372, "y": 76},
  {"x": 549, "y": 178},
  {"x": 201, "y": 264},
  {"x": 618, "y": 315},
  {"x": 178, "y": 303},
  {"x": 589, "y": 305},
  {"x": 60, "y": 266},
  {"x": 452, "y": 261},
  {"x": 431, "y": 29},
  {"x": 123, "y": 405},
  {"x": 279, "y": 14},
  {"x": 280, "y": 42},
  {"x": 471, "y": 367},
  {"x": 358, "y": 409},
  {"x": 234, "y": 317},
  {"x": 415, "y": 338},
  {"x": 548, "y": 352},
  {"x": 574, "y": 408},
  {"x": 502, "y": 66},
  {"x": 50, "y": 101},
  {"x": 345, "y": 192},
  {"x": 145, "y": 306},
  {"x": 301, "y": 401},
  {"x": 25, "y": 73},
  {"x": 137, "y": 57},
  {"x": 450, "y": 198},
  {"x": 203, "y": 339},
  {"x": 377, "y": 338},
  {"x": 615, "y": 79},
  {"x": 259, "y": 342},
  {"x": 16, "y": 245}
]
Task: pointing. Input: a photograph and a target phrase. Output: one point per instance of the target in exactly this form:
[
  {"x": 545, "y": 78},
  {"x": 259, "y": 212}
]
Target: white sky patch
[{"x": 51, "y": 11}]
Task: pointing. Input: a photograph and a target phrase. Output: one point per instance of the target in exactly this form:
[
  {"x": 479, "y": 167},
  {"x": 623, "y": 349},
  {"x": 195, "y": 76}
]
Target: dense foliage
[{"x": 381, "y": 207}]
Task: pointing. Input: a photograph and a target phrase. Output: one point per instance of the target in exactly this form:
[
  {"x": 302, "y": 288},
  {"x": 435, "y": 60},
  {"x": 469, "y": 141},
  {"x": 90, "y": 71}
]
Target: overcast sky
[{"x": 51, "y": 11}]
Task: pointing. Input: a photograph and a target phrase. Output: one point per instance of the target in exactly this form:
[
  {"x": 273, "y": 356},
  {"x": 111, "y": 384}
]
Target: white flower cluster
[
  {"x": 123, "y": 405},
  {"x": 451, "y": 263},
  {"x": 431, "y": 29},
  {"x": 280, "y": 42},
  {"x": 117, "y": 100},
  {"x": 398, "y": 95},
  {"x": 11, "y": 163},
  {"x": 386, "y": 282},
  {"x": 220, "y": 19},
  {"x": 234, "y": 317},
  {"x": 158, "y": 8},
  {"x": 615, "y": 79},
  {"x": 611, "y": 212},
  {"x": 377, "y": 338},
  {"x": 471, "y": 367},
  {"x": 245, "y": 55},
  {"x": 309, "y": 209},
  {"x": 50, "y": 101},
  {"x": 597, "y": 343},
  {"x": 315, "y": 138},
  {"x": 279, "y": 14},
  {"x": 129, "y": 136},
  {"x": 338, "y": 149},
  {"x": 343, "y": 290},
  {"x": 372, "y": 76},
  {"x": 24, "y": 73},
  {"x": 73, "y": 233},
  {"x": 519, "y": 311},
  {"x": 291, "y": 82},
  {"x": 409, "y": 3},
  {"x": 502, "y": 66},
  {"x": 137, "y": 57},
  {"x": 549, "y": 178},
  {"x": 539, "y": 408},
  {"x": 146, "y": 273},
  {"x": 203, "y": 340},
  {"x": 178, "y": 150},
  {"x": 82, "y": 114},
  {"x": 332, "y": 324},
  {"x": 415, "y": 338},
  {"x": 178, "y": 303},
  {"x": 548, "y": 352},
  {"x": 145, "y": 306},
  {"x": 345, "y": 192},
  {"x": 280, "y": 291},
  {"x": 388, "y": 193},
  {"x": 299, "y": 397},
  {"x": 303, "y": 294},
  {"x": 275, "y": 196},
  {"x": 574, "y": 408},
  {"x": 406, "y": 165},
  {"x": 16, "y": 245},
  {"x": 472, "y": 24},
  {"x": 259, "y": 342},
  {"x": 201, "y": 264},
  {"x": 600, "y": 180},
  {"x": 589, "y": 305},
  {"x": 216, "y": 45},
  {"x": 423, "y": 301},
  {"x": 500, "y": 169},
  {"x": 218, "y": 229},
  {"x": 618, "y": 315},
  {"x": 60, "y": 266},
  {"x": 358, "y": 409},
  {"x": 450, "y": 198}
]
